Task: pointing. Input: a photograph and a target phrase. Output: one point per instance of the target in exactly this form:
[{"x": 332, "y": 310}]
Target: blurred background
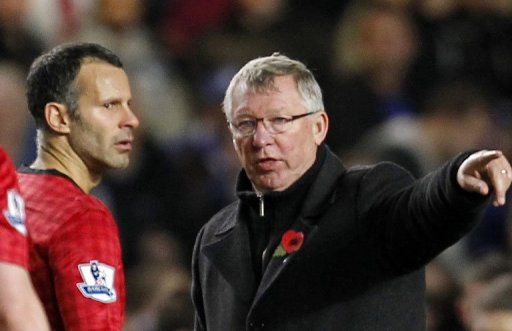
[{"x": 412, "y": 81}]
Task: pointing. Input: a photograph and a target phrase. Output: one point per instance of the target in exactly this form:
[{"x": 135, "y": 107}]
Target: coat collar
[{"x": 323, "y": 189}]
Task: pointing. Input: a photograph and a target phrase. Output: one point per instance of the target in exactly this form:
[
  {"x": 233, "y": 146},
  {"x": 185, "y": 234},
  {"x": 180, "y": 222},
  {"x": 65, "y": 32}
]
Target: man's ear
[
  {"x": 57, "y": 117},
  {"x": 320, "y": 127}
]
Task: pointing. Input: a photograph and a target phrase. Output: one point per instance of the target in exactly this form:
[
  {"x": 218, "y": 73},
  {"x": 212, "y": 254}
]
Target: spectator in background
[
  {"x": 251, "y": 28},
  {"x": 14, "y": 118},
  {"x": 162, "y": 94},
  {"x": 159, "y": 298},
  {"x": 466, "y": 39},
  {"x": 182, "y": 22},
  {"x": 441, "y": 293},
  {"x": 493, "y": 308},
  {"x": 53, "y": 22},
  {"x": 476, "y": 279},
  {"x": 374, "y": 49},
  {"x": 17, "y": 43},
  {"x": 455, "y": 117}
]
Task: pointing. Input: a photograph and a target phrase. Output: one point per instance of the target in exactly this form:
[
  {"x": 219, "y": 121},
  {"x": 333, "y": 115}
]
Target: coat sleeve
[
  {"x": 409, "y": 222},
  {"x": 197, "y": 295},
  {"x": 87, "y": 270}
]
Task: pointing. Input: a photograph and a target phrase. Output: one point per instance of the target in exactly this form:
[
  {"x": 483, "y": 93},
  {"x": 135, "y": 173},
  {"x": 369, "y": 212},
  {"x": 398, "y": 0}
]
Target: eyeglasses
[{"x": 246, "y": 126}]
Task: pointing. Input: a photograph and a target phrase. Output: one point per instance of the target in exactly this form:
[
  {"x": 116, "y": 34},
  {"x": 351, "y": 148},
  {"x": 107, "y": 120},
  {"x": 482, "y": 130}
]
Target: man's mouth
[
  {"x": 266, "y": 163},
  {"x": 125, "y": 145}
]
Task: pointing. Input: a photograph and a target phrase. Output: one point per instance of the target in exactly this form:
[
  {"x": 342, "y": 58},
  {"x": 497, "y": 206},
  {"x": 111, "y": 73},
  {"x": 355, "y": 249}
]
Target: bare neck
[{"x": 55, "y": 153}]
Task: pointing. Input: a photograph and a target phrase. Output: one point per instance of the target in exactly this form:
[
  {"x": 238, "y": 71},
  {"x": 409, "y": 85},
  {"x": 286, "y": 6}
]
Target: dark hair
[{"x": 52, "y": 75}]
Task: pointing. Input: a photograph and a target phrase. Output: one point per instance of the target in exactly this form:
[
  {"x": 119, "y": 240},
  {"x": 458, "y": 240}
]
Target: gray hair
[{"x": 259, "y": 74}]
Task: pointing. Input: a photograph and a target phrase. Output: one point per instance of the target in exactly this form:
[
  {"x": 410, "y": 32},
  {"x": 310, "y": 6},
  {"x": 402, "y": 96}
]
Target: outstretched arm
[{"x": 484, "y": 171}]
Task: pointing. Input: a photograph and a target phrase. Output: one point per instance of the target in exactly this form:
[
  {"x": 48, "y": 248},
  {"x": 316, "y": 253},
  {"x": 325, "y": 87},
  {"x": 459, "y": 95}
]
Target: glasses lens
[
  {"x": 278, "y": 124},
  {"x": 245, "y": 127}
]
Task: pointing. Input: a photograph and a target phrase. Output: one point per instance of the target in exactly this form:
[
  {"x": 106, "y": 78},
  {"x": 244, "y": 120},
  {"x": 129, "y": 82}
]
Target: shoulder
[
  {"x": 91, "y": 203},
  {"x": 56, "y": 206},
  {"x": 382, "y": 172},
  {"x": 88, "y": 211},
  {"x": 221, "y": 222},
  {"x": 56, "y": 195},
  {"x": 375, "y": 182}
]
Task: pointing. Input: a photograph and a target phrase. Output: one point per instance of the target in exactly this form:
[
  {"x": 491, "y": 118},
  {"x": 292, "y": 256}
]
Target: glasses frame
[{"x": 262, "y": 119}]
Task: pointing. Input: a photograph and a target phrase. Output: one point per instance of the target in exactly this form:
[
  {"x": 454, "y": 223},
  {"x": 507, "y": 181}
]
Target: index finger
[{"x": 486, "y": 156}]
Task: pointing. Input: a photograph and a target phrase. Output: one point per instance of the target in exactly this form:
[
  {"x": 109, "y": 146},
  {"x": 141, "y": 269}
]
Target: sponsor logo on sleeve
[
  {"x": 15, "y": 212},
  {"x": 98, "y": 281}
]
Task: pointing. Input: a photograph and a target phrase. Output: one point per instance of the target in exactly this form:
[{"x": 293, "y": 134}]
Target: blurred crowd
[{"x": 411, "y": 81}]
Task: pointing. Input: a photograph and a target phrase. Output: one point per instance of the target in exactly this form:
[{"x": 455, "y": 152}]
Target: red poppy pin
[{"x": 291, "y": 241}]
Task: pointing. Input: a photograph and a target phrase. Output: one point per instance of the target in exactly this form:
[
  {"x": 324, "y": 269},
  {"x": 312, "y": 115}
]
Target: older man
[{"x": 310, "y": 245}]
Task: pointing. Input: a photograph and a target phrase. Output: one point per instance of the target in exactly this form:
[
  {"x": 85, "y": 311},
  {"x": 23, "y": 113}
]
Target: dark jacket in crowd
[{"x": 367, "y": 233}]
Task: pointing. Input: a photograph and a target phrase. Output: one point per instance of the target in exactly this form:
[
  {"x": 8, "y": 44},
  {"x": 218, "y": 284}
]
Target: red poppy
[{"x": 292, "y": 241}]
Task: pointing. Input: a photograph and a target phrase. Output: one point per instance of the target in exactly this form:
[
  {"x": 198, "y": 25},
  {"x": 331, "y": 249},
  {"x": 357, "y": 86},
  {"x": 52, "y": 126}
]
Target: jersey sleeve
[
  {"x": 85, "y": 258},
  {"x": 13, "y": 240}
]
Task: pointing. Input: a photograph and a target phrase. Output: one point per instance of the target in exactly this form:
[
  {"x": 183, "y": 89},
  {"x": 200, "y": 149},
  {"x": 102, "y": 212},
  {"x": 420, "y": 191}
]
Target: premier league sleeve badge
[
  {"x": 15, "y": 212},
  {"x": 98, "y": 281}
]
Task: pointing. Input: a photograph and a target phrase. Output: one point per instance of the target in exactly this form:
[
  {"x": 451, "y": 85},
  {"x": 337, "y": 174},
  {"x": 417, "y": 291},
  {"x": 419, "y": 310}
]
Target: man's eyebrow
[{"x": 270, "y": 113}]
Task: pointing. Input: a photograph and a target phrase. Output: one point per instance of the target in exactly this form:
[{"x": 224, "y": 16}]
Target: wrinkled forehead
[
  {"x": 265, "y": 84},
  {"x": 243, "y": 94},
  {"x": 258, "y": 84}
]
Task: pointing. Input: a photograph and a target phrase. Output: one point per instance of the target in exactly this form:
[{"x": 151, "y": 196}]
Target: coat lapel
[
  {"x": 278, "y": 264},
  {"x": 230, "y": 253},
  {"x": 321, "y": 194}
]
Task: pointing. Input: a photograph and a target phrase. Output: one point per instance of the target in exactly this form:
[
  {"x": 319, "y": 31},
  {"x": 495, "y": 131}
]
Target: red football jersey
[
  {"x": 75, "y": 253},
  {"x": 13, "y": 240}
]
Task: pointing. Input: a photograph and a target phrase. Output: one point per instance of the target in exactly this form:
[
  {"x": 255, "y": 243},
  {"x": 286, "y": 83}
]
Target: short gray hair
[{"x": 258, "y": 74}]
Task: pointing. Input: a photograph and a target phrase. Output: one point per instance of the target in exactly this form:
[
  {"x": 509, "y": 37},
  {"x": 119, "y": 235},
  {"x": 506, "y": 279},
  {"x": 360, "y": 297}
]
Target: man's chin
[
  {"x": 270, "y": 184},
  {"x": 119, "y": 164}
]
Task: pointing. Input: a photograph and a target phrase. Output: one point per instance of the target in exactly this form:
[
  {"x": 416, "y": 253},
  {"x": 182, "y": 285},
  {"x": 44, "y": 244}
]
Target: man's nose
[
  {"x": 130, "y": 119},
  {"x": 262, "y": 136}
]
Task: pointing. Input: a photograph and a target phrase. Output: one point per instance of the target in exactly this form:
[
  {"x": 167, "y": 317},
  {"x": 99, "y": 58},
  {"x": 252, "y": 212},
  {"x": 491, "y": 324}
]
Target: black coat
[{"x": 368, "y": 232}]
